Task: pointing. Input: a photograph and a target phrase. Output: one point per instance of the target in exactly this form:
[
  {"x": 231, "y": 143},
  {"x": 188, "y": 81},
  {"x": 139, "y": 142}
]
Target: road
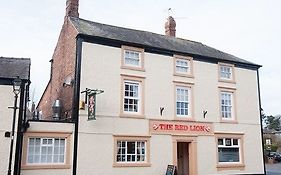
[{"x": 273, "y": 169}]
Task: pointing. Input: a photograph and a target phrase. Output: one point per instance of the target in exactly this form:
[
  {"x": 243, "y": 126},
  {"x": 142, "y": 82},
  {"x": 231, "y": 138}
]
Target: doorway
[{"x": 182, "y": 158}]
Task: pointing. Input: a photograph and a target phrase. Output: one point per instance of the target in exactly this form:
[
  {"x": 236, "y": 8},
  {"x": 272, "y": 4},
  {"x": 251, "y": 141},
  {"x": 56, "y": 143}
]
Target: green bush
[{"x": 274, "y": 147}]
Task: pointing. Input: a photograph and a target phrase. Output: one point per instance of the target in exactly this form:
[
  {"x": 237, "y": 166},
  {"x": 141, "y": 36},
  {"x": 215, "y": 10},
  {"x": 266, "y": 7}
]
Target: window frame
[
  {"x": 43, "y": 135},
  {"x": 140, "y": 81},
  {"x": 126, "y": 138},
  {"x": 140, "y": 67},
  {"x": 231, "y": 165},
  {"x": 232, "y": 91},
  {"x": 232, "y": 69},
  {"x": 188, "y": 86},
  {"x": 44, "y": 145},
  {"x": 189, "y": 73}
]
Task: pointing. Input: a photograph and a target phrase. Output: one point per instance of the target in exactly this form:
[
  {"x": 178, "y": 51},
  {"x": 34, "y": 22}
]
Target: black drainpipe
[
  {"x": 258, "y": 79},
  {"x": 22, "y": 130},
  {"x": 19, "y": 132},
  {"x": 75, "y": 102}
]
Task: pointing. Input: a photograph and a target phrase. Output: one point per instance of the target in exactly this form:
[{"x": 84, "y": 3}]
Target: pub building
[{"x": 134, "y": 102}]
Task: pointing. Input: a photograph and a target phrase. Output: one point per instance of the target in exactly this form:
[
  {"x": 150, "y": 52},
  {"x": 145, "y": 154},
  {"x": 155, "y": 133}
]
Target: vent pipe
[{"x": 57, "y": 107}]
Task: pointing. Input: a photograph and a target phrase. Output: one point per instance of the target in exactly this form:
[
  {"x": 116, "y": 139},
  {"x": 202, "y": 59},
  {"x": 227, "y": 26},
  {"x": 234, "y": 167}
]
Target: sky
[{"x": 249, "y": 29}]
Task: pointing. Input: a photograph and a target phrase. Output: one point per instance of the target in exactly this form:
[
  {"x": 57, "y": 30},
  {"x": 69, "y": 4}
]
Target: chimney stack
[
  {"x": 72, "y": 8},
  {"x": 170, "y": 27}
]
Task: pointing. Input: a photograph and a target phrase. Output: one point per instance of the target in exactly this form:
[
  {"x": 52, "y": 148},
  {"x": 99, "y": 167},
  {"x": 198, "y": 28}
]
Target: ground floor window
[
  {"x": 46, "y": 150},
  {"x": 131, "y": 150},
  {"x": 230, "y": 150}
]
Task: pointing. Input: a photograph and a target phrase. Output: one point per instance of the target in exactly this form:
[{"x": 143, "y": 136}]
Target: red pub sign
[{"x": 180, "y": 127}]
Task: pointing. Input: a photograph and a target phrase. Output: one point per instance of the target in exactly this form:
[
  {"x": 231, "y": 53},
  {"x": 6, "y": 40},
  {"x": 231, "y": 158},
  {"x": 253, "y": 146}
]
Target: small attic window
[
  {"x": 132, "y": 58},
  {"x": 226, "y": 72},
  {"x": 183, "y": 66}
]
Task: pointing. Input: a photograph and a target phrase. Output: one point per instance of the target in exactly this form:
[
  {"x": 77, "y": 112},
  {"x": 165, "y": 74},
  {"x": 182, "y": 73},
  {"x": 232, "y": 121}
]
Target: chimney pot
[
  {"x": 72, "y": 8},
  {"x": 170, "y": 27}
]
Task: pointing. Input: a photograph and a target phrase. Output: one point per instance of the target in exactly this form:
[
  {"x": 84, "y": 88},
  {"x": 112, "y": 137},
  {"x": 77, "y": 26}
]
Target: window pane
[
  {"x": 227, "y": 142},
  {"x": 235, "y": 141},
  {"x": 61, "y": 158},
  {"x": 220, "y": 141},
  {"x": 131, "y": 147},
  {"x": 228, "y": 154}
]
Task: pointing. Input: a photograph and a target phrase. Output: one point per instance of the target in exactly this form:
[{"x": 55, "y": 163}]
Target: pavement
[{"x": 273, "y": 169}]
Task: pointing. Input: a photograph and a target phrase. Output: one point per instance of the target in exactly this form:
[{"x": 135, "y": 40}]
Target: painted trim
[
  {"x": 192, "y": 149},
  {"x": 141, "y": 82},
  {"x": 234, "y": 106},
  {"x": 228, "y": 166},
  {"x": 190, "y": 60},
  {"x": 135, "y": 49},
  {"x": 191, "y": 96},
  {"x": 131, "y": 138},
  {"x": 232, "y": 80},
  {"x": 66, "y": 135}
]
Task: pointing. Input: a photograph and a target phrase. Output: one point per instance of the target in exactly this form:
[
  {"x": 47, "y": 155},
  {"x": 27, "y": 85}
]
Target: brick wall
[{"x": 63, "y": 66}]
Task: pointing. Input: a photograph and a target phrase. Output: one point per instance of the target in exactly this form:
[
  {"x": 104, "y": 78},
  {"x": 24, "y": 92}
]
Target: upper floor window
[
  {"x": 227, "y": 104},
  {"x": 226, "y": 72},
  {"x": 46, "y": 151},
  {"x": 132, "y": 58},
  {"x": 182, "y": 101},
  {"x": 132, "y": 96},
  {"x": 183, "y": 66}
]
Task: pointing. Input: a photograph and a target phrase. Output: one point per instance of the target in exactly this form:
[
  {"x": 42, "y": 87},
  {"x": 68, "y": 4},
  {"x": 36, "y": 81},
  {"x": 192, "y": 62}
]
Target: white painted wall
[
  {"x": 6, "y": 118},
  {"x": 51, "y": 127},
  {"x": 101, "y": 70}
]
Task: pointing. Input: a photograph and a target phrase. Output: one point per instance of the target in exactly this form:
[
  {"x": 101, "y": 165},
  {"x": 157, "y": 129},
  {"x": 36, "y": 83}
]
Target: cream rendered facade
[
  {"x": 6, "y": 117},
  {"x": 101, "y": 69},
  {"x": 48, "y": 130}
]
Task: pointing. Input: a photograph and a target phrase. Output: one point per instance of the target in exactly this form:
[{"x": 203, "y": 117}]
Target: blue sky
[{"x": 247, "y": 29}]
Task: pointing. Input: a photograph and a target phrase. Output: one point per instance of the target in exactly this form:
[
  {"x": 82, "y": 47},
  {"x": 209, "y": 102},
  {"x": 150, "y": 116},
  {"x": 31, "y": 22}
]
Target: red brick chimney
[
  {"x": 72, "y": 8},
  {"x": 170, "y": 27}
]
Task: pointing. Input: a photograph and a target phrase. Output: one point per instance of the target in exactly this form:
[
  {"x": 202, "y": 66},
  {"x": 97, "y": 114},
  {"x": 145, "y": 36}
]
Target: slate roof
[
  {"x": 13, "y": 67},
  {"x": 154, "y": 40}
]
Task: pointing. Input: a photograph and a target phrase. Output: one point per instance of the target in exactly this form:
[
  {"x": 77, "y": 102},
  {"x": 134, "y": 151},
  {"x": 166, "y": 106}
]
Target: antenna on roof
[{"x": 169, "y": 11}]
